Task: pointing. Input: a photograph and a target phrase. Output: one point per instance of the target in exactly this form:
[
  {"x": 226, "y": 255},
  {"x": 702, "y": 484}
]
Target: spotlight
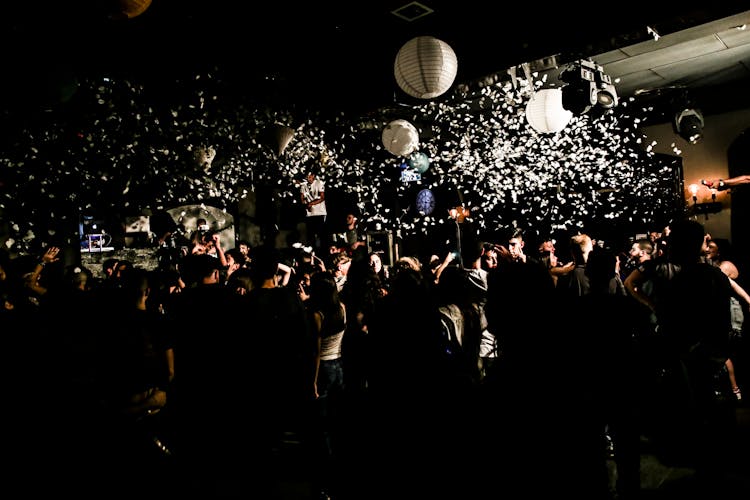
[
  {"x": 587, "y": 86},
  {"x": 606, "y": 96},
  {"x": 688, "y": 123}
]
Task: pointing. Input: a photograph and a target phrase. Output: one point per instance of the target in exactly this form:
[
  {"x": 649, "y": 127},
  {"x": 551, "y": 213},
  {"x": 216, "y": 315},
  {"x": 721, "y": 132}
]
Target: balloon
[
  {"x": 400, "y": 137},
  {"x": 425, "y": 202},
  {"x": 419, "y": 162}
]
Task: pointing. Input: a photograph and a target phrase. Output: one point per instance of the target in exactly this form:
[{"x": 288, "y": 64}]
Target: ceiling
[
  {"x": 708, "y": 63},
  {"x": 339, "y": 54}
]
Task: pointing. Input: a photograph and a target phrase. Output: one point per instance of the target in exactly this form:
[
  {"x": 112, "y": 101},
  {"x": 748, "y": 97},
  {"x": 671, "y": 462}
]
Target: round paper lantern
[
  {"x": 419, "y": 162},
  {"x": 425, "y": 202},
  {"x": 545, "y": 112},
  {"x": 128, "y": 9},
  {"x": 278, "y": 137},
  {"x": 282, "y": 134},
  {"x": 425, "y": 67},
  {"x": 400, "y": 137}
]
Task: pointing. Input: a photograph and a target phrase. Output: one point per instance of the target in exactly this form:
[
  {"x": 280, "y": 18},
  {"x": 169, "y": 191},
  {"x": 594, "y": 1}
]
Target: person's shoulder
[{"x": 729, "y": 268}]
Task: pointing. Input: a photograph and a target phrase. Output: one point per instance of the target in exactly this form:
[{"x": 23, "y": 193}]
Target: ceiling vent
[{"x": 412, "y": 11}]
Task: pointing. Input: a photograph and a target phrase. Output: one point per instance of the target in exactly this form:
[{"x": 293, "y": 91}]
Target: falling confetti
[{"x": 125, "y": 146}]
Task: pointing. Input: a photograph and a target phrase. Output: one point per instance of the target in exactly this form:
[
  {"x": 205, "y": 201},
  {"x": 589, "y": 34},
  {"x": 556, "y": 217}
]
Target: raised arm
[{"x": 722, "y": 184}]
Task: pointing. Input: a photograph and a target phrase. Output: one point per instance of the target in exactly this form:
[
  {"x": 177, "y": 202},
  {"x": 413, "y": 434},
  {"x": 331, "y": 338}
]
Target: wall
[{"x": 705, "y": 160}]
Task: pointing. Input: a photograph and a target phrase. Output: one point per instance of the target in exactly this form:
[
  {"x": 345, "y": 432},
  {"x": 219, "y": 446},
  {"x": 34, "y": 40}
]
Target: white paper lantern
[
  {"x": 425, "y": 67},
  {"x": 283, "y": 136},
  {"x": 545, "y": 112},
  {"x": 400, "y": 138}
]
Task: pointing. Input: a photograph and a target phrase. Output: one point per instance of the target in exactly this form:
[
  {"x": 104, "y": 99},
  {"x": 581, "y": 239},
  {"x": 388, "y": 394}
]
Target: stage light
[
  {"x": 587, "y": 86},
  {"x": 688, "y": 123}
]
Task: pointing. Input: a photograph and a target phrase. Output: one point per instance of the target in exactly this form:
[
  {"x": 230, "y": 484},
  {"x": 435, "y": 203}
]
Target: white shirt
[{"x": 311, "y": 192}]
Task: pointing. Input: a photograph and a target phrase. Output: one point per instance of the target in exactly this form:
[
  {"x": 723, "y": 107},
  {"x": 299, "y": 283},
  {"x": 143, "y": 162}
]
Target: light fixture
[
  {"x": 693, "y": 188},
  {"x": 545, "y": 112},
  {"x": 688, "y": 123},
  {"x": 703, "y": 208},
  {"x": 587, "y": 86},
  {"x": 425, "y": 67}
]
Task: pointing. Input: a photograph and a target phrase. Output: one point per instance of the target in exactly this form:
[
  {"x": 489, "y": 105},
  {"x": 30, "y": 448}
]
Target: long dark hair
[{"x": 324, "y": 297}]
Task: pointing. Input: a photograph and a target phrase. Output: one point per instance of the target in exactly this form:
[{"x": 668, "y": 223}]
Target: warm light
[
  {"x": 693, "y": 188},
  {"x": 712, "y": 207},
  {"x": 459, "y": 213},
  {"x": 425, "y": 67},
  {"x": 128, "y": 9}
]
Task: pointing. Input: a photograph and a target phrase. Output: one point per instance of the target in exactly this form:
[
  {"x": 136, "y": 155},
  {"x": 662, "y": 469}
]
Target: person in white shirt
[{"x": 312, "y": 195}]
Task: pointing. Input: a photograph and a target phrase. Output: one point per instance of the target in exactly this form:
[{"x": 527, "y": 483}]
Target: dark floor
[
  {"x": 291, "y": 473},
  {"x": 665, "y": 481},
  {"x": 659, "y": 480}
]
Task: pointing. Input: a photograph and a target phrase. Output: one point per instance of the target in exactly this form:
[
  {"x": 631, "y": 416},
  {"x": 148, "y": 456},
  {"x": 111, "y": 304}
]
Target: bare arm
[
  {"x": 320, "y": 199},
  {"x": 739, "y": 291},
  {"x": 633, "y": 284},
  {"x": 318, "y": 326},
  {"x": 170, "y": 363},
  {"x": 722, "y": 184},
  {"x": 32, "y": 282},
  {"x": 219, "y": 250},
  {"x": 286, "y": 273},
  {"x": 446, "y": 261}
]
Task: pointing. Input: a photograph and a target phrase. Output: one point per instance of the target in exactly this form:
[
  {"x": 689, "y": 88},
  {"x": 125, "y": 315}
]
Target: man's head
[
  {"x": 515, "y": 245},
  {"x": 686, "y": 241},
  {"x": 641, "y": 250},
  {"x": 341, "y": 263},
  {"x": 548, "y": 245}
]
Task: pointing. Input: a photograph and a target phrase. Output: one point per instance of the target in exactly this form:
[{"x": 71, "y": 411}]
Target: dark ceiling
[{"x": 335, "y": 55}]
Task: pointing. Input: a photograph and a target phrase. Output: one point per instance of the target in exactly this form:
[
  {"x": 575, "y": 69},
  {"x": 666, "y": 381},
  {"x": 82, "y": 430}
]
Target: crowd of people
[{"x": 435, "y": 375}]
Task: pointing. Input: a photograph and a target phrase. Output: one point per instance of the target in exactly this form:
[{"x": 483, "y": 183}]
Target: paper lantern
[
  {"x": 425, "y": 202},
  {"x": 425, "y": 67},
  {"x": 282, "y": 136},
  {"x": 545, "y": 112},
  {"x": 400, "y": 137},
  {"x": 419, "y": 162},
  {"x": 128, "y": 9}
]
